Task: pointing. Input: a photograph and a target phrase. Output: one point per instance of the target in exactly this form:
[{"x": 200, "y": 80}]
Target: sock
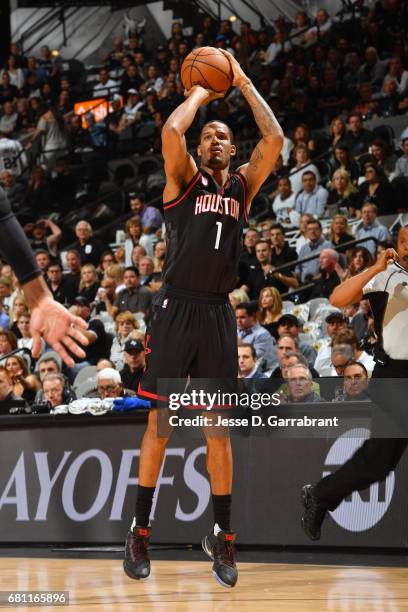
[
  {"x": 222, "y": 512},
  {"x": 144, "y": 502}
]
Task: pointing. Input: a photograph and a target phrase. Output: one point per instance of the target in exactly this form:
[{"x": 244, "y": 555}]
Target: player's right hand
[{"x": 386, "y": 257}]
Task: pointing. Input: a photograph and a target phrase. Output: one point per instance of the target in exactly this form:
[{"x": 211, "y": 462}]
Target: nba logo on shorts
[
  {"x": 204, "y": 181},
  {"x": 165, "y": 302}
]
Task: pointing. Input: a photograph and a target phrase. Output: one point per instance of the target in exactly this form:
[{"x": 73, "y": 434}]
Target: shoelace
[
  {"x": 226, "y": 552},
  {"x": 138, "y": 548}
]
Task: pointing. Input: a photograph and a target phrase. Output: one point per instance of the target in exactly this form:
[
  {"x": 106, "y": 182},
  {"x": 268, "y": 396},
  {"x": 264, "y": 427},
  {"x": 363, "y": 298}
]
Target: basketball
[{"x": 208, "y": 67}]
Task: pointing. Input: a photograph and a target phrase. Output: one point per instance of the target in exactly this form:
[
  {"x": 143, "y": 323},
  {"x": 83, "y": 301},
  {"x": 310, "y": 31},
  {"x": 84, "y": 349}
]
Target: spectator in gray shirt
[
  {"x": 133, "y": 298},
  {"x": 313, "y": 198},
  {"x": 369, "y": 226},
  {"x": 251, "y": 332},
  {"x": 309, "y": 270}
]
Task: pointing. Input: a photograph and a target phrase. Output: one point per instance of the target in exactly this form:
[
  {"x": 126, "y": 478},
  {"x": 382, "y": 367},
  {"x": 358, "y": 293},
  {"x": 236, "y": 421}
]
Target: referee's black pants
[{"x": 376, "y": 458}]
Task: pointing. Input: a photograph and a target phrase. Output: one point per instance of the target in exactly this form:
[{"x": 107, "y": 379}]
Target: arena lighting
[
  {"x": 232, "y": 18},
  {"x": 55, "y": 53}
]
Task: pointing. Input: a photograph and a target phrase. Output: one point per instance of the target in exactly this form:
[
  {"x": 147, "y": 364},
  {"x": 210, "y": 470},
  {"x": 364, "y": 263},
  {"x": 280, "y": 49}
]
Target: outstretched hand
[
  {"x": 59, "y": 328},
  {"x": 240, "y": 78}
]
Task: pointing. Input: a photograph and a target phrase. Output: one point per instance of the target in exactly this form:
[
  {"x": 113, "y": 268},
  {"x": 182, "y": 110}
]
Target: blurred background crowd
[{"x": 85, "y": 181}]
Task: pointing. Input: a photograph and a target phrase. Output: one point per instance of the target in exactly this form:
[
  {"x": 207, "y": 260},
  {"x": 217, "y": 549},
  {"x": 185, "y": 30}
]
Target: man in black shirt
[
  {"x": 281, "y": 252},
  {"x": 134, "y": 355},
  {"x": 96, "y": 334},
  {"x": 263, "y": 275},
  {"x": 358, "y": 138},
  {"x": 73, "y": 276},
  {"x": 59, "y": 286}
]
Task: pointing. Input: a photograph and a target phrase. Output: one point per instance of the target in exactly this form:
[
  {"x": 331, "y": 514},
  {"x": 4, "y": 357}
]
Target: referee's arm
[{"x": 351, "y": 291}]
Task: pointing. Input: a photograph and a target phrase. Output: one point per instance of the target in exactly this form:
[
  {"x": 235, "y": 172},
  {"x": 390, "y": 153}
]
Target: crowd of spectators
[{"x": 323, "y": 78}]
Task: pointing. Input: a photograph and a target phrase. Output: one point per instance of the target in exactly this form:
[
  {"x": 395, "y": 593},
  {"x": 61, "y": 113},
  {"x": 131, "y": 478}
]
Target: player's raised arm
[
  {"x": 266, "y": 152},
  {"x": 179, "y": 165}
]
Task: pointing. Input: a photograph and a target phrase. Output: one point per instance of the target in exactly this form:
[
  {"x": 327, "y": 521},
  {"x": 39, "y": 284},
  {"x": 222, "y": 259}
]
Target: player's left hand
[
  {"x": 59, "y": 328},
  {"x": 240, "y": 78},
  {"x": 207, "y": 95}
]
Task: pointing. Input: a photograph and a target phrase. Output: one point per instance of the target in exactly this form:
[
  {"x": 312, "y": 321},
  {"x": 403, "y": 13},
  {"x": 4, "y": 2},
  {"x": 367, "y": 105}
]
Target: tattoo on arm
[
  {"x": 264, "y": 117},
  {"x": 256, "y": 157}
]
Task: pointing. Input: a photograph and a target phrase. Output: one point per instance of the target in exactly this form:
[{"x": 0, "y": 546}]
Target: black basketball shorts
[{"x": 191, "y": 334}]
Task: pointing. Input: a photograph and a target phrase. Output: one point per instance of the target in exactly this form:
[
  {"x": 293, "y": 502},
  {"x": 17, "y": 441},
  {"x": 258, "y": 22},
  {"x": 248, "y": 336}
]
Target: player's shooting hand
[
  {"x": 240, "y": 78},
  {"x": 206, "y": 95},
  {"x": 384, "y": 259},
  {"x": 59, "y": 328}
]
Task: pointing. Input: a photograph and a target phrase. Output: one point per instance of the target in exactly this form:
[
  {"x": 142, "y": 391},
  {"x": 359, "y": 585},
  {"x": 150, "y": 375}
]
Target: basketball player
[
  {"x": 193, "y": 331},
  {"x": 49, "y": 319},
  {"x": 384, "y": 284}
]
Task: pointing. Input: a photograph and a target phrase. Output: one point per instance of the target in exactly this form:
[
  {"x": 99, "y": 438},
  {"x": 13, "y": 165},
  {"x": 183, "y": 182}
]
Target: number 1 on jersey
[{"x": 217, "y": 240}]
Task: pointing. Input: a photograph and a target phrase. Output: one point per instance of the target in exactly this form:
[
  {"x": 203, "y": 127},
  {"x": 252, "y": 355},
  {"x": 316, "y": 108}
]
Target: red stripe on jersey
[
  {"x": 241, "y": 178},
  {"x": 184, "y": 194},
  {"x": 162, "y": 398}
]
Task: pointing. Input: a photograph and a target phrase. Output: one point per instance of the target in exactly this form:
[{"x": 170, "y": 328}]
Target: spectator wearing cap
[
  {"x": 247, "y": 366},
  {"x": 335, "y": 322},
  {"x": 288, "y": 323},
  {"x": 133, "y": 298},
  {"x": 309, "y": 270},
  {"x": 312, "y": 198},
  {"x": 89, "y": 248},
  {"x": 133, "y": 104},
  {"x": 135, "y": 361},
  {"x": 251, "y": 332},
  {"x": 150, "y": 216},
  {"x": 98, "y": 339},
  {"x": 329, "y": 279},
  {"x": 370, "y": 227}
]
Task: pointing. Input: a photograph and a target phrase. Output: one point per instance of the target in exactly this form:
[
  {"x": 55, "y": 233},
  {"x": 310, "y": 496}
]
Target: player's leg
[
  {"x": 163, "y": 361},
  {"x": 372, "y": 462},
  {"x": 217, "y": 359}
]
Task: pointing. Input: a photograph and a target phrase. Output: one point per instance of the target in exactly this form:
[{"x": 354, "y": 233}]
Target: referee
[
  {"x": 385, "y": 284},
  {"x": 49, "y": 319}
]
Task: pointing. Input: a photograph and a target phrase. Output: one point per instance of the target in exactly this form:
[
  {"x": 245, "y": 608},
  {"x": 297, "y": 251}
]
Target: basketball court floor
[{"x": 278, "y": 582}]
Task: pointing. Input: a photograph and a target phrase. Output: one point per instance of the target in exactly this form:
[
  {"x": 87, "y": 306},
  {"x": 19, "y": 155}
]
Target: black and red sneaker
[
  {"x": 136, "y": 562},
  {"x": 220, "y": 548}
]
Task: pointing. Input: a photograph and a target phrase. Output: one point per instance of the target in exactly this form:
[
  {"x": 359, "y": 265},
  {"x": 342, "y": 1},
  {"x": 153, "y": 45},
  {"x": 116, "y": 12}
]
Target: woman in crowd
[
  {"x": 382, "y": 156},
  {"x": 8, "y": 342},
  {"x": 107, "y": 259},
  {"x": 159, "y": 255},
  {"x": 20, "y": 307},
  {"x": 302, "y": 159},
  {"x": 359, "y": 261},
  {"x": 343, "y": 195},
  {"x": 89, "y": 283},
  {"x": 125, "y": 324},
  {"x": 340, "y": 234},
  {"x": 269, "y": 309},
  {"x": 302, "y": 136},
  {"x": 137, "y": 253},
  {"x": 115, "y": 273},
  {"x": 15, "y": 73},
  {"x": 377, "y": 190},
  {"x": 135, "y": 237},
  {"x": 341, "y": 159},
  {"x": 25, "y": 385},
  {"x": 337, "y": 131},
  {"x": 238, "y": 296}
]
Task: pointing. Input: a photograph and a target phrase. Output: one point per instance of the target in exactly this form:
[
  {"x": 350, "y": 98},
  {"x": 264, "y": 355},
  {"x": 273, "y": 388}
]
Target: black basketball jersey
[{"x": 203, "y": 229}]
